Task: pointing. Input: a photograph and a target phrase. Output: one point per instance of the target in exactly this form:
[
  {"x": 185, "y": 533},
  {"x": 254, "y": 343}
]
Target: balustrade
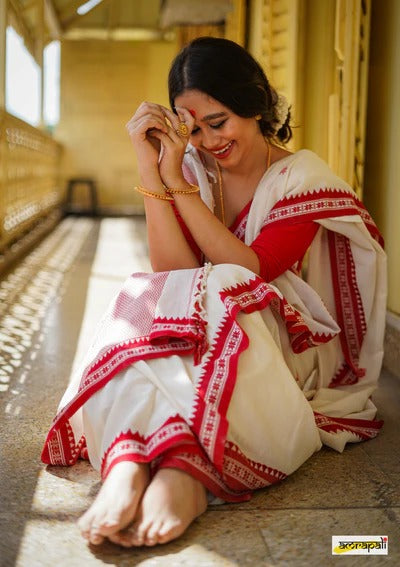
[{"x": 30, "y": 191}]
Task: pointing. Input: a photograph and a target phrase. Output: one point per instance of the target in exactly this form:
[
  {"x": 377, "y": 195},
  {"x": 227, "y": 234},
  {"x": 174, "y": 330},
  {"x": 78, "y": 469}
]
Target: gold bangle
[
  {"x": 194, "y": 189},
  {"x": 144, "y": 191}
]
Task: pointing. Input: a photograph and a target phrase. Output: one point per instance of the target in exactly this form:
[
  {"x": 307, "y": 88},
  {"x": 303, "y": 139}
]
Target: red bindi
[{"x": 193, "y": 113}]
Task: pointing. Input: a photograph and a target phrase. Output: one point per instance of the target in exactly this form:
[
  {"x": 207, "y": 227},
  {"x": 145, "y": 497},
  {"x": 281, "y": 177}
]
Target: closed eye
[
  {"x": 213, "y": 126},
  {"x": 218, "y": 125}
]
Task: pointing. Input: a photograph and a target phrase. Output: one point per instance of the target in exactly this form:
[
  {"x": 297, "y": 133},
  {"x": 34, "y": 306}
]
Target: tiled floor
[{"x": 48, "y": 305}]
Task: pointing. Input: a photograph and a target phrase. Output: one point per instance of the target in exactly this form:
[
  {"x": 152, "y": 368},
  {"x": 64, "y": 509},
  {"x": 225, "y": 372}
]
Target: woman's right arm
[{"x": 168, "y": 247}]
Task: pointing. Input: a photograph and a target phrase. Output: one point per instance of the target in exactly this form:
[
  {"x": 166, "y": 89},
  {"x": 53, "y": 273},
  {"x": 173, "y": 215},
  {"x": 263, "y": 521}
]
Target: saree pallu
[{"x": 235, "y": 380}]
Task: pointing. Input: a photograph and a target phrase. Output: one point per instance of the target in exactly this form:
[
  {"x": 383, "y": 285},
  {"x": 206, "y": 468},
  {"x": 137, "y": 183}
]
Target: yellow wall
[
  {"x": 102, "y": 83},
  {"x": 382, "y": 163}
]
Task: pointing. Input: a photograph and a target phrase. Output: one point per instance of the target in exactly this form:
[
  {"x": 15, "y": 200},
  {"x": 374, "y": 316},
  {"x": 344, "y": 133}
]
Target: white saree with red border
[{"x": 232, "y": 379}]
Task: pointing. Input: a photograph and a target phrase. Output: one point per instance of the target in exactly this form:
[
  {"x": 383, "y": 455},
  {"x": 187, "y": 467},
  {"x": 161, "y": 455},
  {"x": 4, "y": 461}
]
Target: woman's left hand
[{"x": 173, "y": 146}]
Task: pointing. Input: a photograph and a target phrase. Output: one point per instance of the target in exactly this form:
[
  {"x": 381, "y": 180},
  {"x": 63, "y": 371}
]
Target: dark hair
[{"x": 228, "y": 73}]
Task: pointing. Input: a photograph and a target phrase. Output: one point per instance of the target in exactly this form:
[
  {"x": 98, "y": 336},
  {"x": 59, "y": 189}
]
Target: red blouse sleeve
[{"x": 279, "y": 247}]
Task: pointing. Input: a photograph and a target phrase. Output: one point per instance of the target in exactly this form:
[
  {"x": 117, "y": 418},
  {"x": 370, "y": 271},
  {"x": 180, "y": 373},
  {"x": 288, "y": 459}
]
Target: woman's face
[{"x": 219, "y": 132}]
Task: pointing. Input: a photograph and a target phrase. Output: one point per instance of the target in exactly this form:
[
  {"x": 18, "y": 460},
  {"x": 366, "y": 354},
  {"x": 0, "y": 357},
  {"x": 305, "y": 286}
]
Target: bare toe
[
  {"x": 171, "y": 502},
  {"x": 116, "y": 504},
  {"x": 95, "y": 537},
  {"x": 170, "y": 530},
  {"x": 123, "y": 537},
  {"x": 152, "y": 536}
]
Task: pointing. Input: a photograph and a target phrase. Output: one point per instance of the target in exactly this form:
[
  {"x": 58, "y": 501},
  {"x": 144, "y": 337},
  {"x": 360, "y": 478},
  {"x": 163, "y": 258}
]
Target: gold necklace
[
  {"x": 269, "y": 155},
  {"x": 221, "y": 195}
]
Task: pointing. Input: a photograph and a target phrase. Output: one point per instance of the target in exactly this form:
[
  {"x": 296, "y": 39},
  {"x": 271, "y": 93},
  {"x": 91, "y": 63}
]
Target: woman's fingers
[
  {"x": 185, "y": 116},
  {"x": 150, "y": 116},
  {"x": 176, "y": 120},
  {"x": 145, "y": 125},
  {"x": 173, "y": 118},
  {"x": 146, "y": 108},
  {"x": 147, "y": 113},
  {"x": 170, "y": 138}
]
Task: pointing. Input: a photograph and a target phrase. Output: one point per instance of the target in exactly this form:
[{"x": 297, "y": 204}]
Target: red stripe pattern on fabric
[
  {"x": 363, "y": 428},
  {"x": 320, "y": 204},
  {"x": 349, "y": 309}
]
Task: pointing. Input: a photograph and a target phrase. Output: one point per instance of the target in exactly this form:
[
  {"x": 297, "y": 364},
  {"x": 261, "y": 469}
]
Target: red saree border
[
  {"x": 257, "y": 295},
  {"x": 132, "y": 446},
  {"x": 362, "y": 428},
  {"x": 218, "y": 378},
  {"x": 188, "y": 336},
  {"x": 326, "y": 203},
  {"x": 349, "y": 309},
  {"x": 240, "y": 475},
  {"x": 60, "y": 446},
  {"x": 173, "y": 444},
  {"x": 319, "y": 204},
  {"x": 202, "y": 470}
]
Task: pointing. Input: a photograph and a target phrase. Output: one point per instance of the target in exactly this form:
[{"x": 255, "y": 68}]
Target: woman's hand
[
  {"x": 147, "y": 120},
  {"x": 173, "y": 146}
]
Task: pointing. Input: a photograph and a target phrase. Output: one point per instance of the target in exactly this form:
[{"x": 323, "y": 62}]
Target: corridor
[{"x": 50, "y": 302}]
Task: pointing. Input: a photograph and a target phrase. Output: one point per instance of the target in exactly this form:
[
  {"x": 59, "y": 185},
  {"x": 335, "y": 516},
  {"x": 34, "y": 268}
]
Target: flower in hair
[{"x": 281, "y": 112}]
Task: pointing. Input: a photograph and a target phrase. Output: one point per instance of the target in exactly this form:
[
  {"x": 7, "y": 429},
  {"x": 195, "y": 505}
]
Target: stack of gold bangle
[
  {"x": 169, "y": 191},
  {"x": 147, "y": 193},
  {"x": 193, "y": 189}
]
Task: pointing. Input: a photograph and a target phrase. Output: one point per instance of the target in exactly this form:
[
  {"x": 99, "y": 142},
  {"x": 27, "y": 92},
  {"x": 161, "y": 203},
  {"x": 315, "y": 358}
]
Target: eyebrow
[{"x": 212, "y": 116}]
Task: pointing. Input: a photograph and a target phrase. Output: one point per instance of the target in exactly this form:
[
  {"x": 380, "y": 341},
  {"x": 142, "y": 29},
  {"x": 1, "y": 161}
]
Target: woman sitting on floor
[{"x": 229, "y": 366}]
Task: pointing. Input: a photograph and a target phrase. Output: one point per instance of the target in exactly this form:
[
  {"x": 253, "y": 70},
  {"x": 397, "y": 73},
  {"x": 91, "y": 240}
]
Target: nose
[{"x": 208, "y": 139}]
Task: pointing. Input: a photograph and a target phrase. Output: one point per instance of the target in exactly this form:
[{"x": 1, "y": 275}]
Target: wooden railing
[{"x": 30, "y": 193}]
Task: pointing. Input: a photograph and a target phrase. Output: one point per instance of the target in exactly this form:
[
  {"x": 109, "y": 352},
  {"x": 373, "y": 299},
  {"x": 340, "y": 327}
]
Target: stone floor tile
[
  {"x": 385, "y": 449},
  {"x": 216, "y": 539},
  {"x": 297, "y": 538}
]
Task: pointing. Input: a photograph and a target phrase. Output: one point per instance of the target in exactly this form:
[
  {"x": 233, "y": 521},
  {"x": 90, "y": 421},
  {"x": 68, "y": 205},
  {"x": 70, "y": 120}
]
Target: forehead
[{"x": 202, "y": 103}]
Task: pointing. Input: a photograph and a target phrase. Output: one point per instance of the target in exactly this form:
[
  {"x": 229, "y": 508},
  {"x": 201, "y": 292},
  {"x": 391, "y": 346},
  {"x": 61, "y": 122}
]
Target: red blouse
[{"x": 278, "y": 248}]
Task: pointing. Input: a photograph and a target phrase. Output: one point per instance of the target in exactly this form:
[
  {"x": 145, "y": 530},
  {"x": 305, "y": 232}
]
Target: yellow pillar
[
  {"x": 382, "y": 163},
  {"x": 235, "y": 26},
  {"x": 3, "y": 28},
  {"x": 318, "y": 78}
]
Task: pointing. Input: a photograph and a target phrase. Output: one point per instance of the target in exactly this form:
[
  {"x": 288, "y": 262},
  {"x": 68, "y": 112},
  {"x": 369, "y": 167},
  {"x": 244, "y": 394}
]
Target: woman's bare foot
[
  {"x": 116, "y": 504},
  {"x": 170, "y": 504}
]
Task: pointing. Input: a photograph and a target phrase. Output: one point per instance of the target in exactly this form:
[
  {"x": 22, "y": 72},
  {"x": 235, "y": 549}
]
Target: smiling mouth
[{"x": 223, "y": 150}]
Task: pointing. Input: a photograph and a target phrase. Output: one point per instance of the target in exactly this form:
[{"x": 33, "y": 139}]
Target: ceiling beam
[
  {"x": 119, "y": 34},
  {"x": 52, "y": 21},
  {"x": 15, "y": 8},
  {"x": 70, "y": 14}
]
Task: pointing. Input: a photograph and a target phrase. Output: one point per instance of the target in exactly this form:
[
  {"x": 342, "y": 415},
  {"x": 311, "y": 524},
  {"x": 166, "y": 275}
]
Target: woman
[{"x": 227, "y": 368}]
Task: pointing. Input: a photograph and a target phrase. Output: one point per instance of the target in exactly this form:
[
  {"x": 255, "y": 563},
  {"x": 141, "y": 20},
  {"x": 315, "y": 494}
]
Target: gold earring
[{"x": 258, "y": 117}]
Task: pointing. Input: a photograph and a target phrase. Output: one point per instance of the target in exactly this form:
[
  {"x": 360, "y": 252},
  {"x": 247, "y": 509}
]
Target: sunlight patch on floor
[{"x": 121, "y": 251}]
